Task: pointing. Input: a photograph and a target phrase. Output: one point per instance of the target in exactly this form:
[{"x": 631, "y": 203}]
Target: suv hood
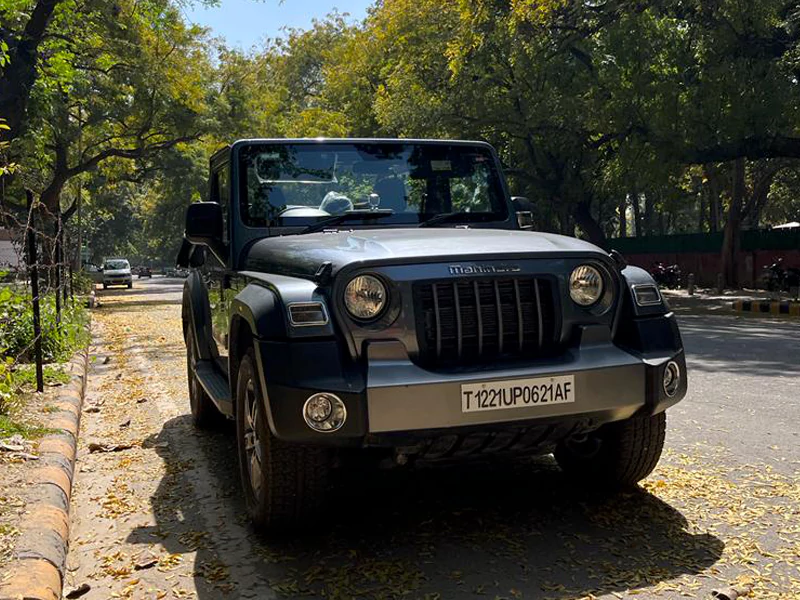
[
  {"x": 116, "y": 272},
  {"x": 302, "y": 255}
]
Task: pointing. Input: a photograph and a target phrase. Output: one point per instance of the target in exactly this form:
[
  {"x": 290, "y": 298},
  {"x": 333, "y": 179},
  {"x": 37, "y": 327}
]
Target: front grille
[{"x": 465, "y": 321}]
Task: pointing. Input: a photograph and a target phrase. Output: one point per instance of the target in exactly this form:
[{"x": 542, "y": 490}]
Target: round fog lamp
[
  {"x": 318, "y": 408},
  {"x": 672, "y": 378},
  {"x": 324, "y": 412}
]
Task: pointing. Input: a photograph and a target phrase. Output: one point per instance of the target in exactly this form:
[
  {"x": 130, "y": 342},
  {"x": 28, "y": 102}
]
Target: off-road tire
[
  {"x": 626, "y": 452},
  {"x": 294, "y": 477},
  {"x": 105, "y": 286},
  {"x": 205, "y": 414},
  {"x": 130, "y": 285}
]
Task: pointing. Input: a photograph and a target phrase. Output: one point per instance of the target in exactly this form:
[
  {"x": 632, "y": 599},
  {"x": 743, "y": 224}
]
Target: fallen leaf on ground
[
  {"x": 145, "y": 564},
  {"x": 79, "y": 591},
  {"x": 93, "y": 447}
]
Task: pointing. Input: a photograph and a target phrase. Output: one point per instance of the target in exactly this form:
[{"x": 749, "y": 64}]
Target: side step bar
[{"x": 215, "y": 385}]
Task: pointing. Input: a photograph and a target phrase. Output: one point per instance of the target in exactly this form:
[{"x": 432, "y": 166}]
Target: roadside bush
[{"x": 59, "y": 340}]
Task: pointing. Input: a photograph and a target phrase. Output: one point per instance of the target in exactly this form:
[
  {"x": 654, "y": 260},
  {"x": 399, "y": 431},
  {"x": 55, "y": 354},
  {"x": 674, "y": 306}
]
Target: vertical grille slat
[
  {"x": 465, "y": 321},
  {"x": 499, "y": 316},
  {"x": 437, "y": 315},
  {"x": 478, "y": 313},
  {"x": 539, "y": 311},
  {"x": 459, "y": 330},
  {"x": 520, "y": 318}
]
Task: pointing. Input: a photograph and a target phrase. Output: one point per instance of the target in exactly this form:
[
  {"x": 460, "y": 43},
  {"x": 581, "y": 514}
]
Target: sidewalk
[{"x": 707, "y": 301}]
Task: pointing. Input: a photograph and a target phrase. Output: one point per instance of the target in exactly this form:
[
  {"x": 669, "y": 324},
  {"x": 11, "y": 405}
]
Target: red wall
[{"x": 706, "y": 265}]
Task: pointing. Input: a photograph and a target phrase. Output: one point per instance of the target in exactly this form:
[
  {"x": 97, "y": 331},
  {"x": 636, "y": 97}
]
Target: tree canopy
[{"x": 617, "y": 117}]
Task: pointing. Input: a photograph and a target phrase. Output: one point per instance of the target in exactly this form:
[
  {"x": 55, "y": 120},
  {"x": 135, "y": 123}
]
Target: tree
[
  {"x": 20, "y": 41},
  {"x": 131, "y": 83}
]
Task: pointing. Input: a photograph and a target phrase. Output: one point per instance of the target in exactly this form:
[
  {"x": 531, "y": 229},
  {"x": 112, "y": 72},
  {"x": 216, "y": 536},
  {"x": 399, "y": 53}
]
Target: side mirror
[
  {"x": 204, "y": 223},
  {"x": 524, "y": 209}
]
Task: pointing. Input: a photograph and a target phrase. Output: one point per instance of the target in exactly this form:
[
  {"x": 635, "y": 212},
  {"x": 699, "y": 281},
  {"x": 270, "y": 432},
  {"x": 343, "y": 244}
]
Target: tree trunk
[
  {"x": 730, "y": 239},
  {"x": 751, "y": 212},
  {"x": 637, "y": 215},
  {"x": 649, "y": 210},
  {"x": 623, "y": 216},
  {"x": 19, "y": 74},
  {"x": 713, "y": 198},
  {"x": 701, "y": 212},
  {"x": 590, "y": 227}
]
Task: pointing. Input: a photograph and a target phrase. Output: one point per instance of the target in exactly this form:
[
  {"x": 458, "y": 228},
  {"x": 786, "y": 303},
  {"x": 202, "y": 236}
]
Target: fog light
[
  {"x": 324, "y": 412},
  {"x": 672, "y": 378}
]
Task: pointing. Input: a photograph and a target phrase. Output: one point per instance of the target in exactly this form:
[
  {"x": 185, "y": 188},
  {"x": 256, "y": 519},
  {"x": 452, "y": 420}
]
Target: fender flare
[
  {"x": 261, "y": 308},
  {"x": 196, "y": 314}
]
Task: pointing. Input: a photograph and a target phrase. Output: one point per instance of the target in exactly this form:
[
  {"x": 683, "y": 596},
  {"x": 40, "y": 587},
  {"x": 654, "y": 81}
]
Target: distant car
[
  {"x": 144, "y": 272},
  {"x": 117, "y": 271}
]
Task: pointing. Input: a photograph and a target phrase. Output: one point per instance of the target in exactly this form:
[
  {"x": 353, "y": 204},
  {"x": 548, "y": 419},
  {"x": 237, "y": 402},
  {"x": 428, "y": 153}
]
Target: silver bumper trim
[{"x": 403, "y": 397}]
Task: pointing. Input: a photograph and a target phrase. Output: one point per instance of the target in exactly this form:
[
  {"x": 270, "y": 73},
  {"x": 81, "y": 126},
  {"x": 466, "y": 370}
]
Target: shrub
[{"x": 59, "y": 340}]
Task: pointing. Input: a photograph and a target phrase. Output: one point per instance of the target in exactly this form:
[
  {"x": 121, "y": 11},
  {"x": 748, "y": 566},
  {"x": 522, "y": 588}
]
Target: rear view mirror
[
  {"x": 524, "y": 210},
  {"x": 204, "y": 223},
  {"x": 204, "y": 226}
]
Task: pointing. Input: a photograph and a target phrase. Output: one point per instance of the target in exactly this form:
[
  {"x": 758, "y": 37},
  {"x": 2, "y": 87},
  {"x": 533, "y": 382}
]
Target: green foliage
[
  {"x": 25, "y": 376},
  {"x": 59, "y": 339},
  {"x": 596, "y": 108},
  {"x": 9, "y": 427}
]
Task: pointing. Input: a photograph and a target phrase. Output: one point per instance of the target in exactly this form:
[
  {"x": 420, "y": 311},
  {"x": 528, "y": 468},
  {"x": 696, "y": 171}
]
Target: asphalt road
[{"x": 163, "y": 518}]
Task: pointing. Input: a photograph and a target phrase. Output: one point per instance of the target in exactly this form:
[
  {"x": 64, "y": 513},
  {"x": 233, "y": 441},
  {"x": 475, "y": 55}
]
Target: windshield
[
  {"x": 116, "y": 265},
  {"x": 293, "y": 184}
]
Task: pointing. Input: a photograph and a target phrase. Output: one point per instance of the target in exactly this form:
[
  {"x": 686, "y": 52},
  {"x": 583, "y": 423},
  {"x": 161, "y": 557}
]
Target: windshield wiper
[
  {"x": 350, "y": 215},
  {"x": 442, "y": 218}
]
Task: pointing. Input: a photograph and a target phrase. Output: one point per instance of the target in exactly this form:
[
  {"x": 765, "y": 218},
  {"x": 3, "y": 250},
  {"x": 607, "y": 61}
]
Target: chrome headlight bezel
[
  {"x": 590, "y": 275},
  {"x": 349, "y": 298}
]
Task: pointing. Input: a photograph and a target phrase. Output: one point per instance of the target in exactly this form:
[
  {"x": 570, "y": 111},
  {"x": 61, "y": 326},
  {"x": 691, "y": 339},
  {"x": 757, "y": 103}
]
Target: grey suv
[{"x": 388, "y": 297}]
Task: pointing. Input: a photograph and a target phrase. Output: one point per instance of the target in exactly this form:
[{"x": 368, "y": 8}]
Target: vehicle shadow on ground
[{"x": 506, "y": 531}]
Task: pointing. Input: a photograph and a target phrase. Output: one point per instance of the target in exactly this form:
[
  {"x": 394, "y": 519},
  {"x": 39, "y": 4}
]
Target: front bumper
[
  {"x": 121, "y": 280},
  {"x": 391, "y": 398}
]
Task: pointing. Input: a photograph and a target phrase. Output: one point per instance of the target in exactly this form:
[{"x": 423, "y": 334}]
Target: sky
[{"x": 244, "y": 23}]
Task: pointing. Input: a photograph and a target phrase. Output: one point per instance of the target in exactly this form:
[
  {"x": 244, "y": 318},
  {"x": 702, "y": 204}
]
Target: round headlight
[
  {"x": 585, "y": 285},
  {"x": 365, "y": 297}
]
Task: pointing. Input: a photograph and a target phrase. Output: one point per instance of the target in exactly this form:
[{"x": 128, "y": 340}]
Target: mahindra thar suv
[{"x": 390, "y": 297}]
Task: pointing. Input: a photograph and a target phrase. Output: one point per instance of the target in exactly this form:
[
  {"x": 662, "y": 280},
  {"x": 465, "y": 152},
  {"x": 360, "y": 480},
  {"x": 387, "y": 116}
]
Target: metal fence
[{"x": 36, "y": 272}]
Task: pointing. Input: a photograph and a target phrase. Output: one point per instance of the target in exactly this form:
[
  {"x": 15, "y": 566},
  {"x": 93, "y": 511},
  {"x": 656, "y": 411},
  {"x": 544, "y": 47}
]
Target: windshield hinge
[{"x": 323, "y": 274}]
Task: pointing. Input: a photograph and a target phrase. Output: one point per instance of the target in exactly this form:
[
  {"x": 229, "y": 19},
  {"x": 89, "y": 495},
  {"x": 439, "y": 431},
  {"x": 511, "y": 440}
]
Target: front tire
[
  {"x": 618, "y": 455},
  {"x": 205, "y": 414},
  {"x": 284, "y": 484}
]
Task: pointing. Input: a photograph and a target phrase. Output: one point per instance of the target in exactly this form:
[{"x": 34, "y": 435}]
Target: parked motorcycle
[
  {"x": 777, "y": 278},
  {"x": 666, "y": 276}
]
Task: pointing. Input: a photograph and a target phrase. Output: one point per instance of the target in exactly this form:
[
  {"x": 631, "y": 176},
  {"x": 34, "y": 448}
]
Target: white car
[{"x": 117, "y": 271}]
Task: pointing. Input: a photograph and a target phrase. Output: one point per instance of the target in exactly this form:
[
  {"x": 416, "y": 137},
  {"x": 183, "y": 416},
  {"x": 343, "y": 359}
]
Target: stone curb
[
  {"x": 772, "y": 307},
  {"x": 40, "y": 556}
]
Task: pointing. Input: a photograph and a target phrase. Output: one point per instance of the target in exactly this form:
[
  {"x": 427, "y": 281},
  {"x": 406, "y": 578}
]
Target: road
[{"x": 163, "y": 517}]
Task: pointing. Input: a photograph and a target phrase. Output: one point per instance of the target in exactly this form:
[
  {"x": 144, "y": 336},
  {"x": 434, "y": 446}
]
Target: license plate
[{"x": 517, "y": 393}]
